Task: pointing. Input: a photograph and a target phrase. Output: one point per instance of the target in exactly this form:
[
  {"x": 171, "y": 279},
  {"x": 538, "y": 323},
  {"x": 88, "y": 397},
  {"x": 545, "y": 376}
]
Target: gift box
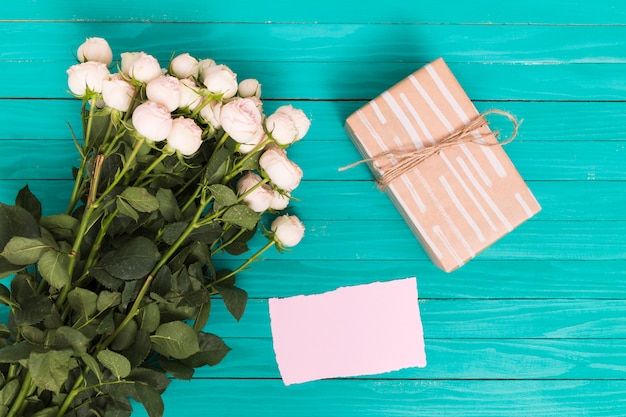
[{"x": 462, "y": 193}]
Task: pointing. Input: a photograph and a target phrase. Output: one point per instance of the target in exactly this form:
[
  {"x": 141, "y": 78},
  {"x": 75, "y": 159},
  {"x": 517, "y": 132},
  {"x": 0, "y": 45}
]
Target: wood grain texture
[{"x": 534, "y": 326}]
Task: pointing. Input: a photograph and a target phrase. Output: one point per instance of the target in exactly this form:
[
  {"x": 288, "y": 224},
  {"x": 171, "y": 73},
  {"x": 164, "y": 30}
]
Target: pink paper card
[{"x": 351, "y": 331}]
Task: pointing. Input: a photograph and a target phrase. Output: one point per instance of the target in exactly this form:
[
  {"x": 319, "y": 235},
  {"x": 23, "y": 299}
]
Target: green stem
[
  {"x": 21, "y": 396},
  {"x": 235, "y": 170},
  {"x": 246, "y": 263},
  {"x": 152, "y": 166},
  {"x": 70, "y": 396},
  {"x": 221, "y": 142}
]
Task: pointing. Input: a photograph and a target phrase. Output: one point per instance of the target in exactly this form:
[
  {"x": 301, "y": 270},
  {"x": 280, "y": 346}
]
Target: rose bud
[
  {"x": 185, "y": 136},
  {"x": 283, "y": 173},
  {"x": 288, "y": 230},
  {"x": 258, "y": 199},
  {"x": 153, "y": 121},
  {"x": 87, "y": 76},
  {"x": 249, "y": 88},
  {"x": 164, "y": 90},
  {"x": 211, "y": 113},
  {"x": 95, "y": 49},
  {"x": 117, "y": 93},
  {"x": 280, "y": 201},
  {"x": 203, "y": 67},
  {"x": 184, "y": 66},
  {"x": 299, "y": 122},
  {"x": 219, "y": 79},
  {"x": 245, "y": 148},
  {"x": 141, "y": 66},
  {"x": 242, "y": 120},
  {"x": 189, "y": 97}
]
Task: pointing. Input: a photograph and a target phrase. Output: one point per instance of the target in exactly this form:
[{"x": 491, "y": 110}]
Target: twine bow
[{"x": 405, "y": 161}]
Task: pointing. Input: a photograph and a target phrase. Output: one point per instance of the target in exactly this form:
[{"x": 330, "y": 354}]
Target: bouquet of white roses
[{"x": 177, "y": 166}]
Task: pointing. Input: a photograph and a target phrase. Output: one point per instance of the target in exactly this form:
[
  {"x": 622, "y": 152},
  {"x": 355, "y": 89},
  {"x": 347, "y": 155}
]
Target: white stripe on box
[
  {"x": 468, "y": 191},
  {"x": 418, "y": 119},
  {"x": 461, "y": 208},
  {"x": 447, "y": 244},
  {"x": 476, "y": 165},
  {"x": 379, "y": 114},
  {"x": 404, "y": 120},
  {"x": 483, "y": 193},
  {"x": 524, "y": 205},
  {"x": 414, "y": 194},
  {"x": 416, "y": 223},
  {"x": 443, "y": 212},
  {"x": 493, "y": 160},
  {"x": 446, "y": 93},
  {"x": 431, "y": 103},
  {"x": 373, "y": 132}
]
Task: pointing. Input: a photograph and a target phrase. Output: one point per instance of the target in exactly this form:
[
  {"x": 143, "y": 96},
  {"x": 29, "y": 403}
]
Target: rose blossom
[
  {"x": 287, "y": 125},
  {"x": 189, "y": 97},
  {"x": 164, "y": 90},
  {"x": 219, "y": 79},
  {"x": 260, "y": 198},
  {"x": 203, "y": 67},
  {"x": 242, "y": 120},
  {"x": 141, "y": 66},
  {"x": 185, "y": 136},
  {"x": 184, "y": 66},
  {"x": 283, "y": 173},
  {"x": 210, "y": 113},
  {"x": 288, "y": 230},
  {"x": 88, "y": 75},
  {"x": 153, "y": 121},
  {"x": 249, "y": 88},
  {"x": 280, "y": 201},
  {"x": 117, "y": 93},
  {"x": 95, "y": 49},
  {"x": 245, "y": 148}
]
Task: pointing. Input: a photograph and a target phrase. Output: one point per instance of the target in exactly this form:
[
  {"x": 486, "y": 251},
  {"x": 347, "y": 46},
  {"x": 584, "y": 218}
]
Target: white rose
[
  {"x": 288, "y": 230},
  {"x": 87, "y": 76},
  {"x": 219, "y": 79},
  {"x": 203, "y": 67},
  {"x": 242, "y": 120},
  {"x": 141, "y": 66},
  {"x": 95, "y": 49},
  {"x": 189, "y": 97},
  {"x": 245, "y": 148},
  {"x": 258, "y": 199},
  {"x": 153, "y": 121},
  {"x": 281, "y": 128},
  {"x": 210, "y": 113},
  {"x": 249, "y": 88},
  {"x": 164, "y": 90},
  {"x": 299, "y": 119},
  {"x": 283, "y": 173},
  {"x": 280, "y": 201},
  {"x": 184, "y": 66},
  {"x": 117, "y": 93},
  {"x": 185, "y": 136}
]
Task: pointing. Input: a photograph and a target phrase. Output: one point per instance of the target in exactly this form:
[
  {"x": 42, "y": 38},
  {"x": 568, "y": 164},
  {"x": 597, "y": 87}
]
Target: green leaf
[
  {"x": 125, "y": 209},
  {"x": 68, "y": 337},
  {"x": 149, "y": 317},
  {"x": 156, "y": 379},
  {"x": 16, "y": 221},
  {"x": 62, "y": 226},
  {"x": 150, "y": 399},
  {"x": 24, "y": 251},
  {"x": 93, "y": 365},
  {"x": 241, "y": 215},
  {"x": 108, "y": 299},
  {"x": 207, "y": 233},
  {"x": 9, "y": 392},
  {"x": 50, "y": 370},
  {"x": 47, "y": 412},
  {"x": 235, "y": 300},
  {"x": 27, "y": 200},
  {"x": 223, "y": 194},
  {"x": 16, "y": 352},
  {"x": 195, "y": 298},
  {"x": 175, "y": 339},
  {"x": 5, "y": 296},
  {"x": 217, "y": 166},
  {"x": 162, "y": 282},
  {"x": 106, "y": 279},
  {"x": 114, "y": 362},
  {"x": 139, "y": 350},
  {"x": 168, "y": 206},
  {"x": 202, "y": 316},
  {"x": 53, "y": 267},
  {"x": 212, "y": 351},
  {"x": 7, "y": 268},
  {"x": 118, "y": 409},
  {"x": 140, "y": 199},
  {"x": 177, "y": 368},
  {"x": 172, "y": 232},
  {"x": 33, "y": 334},
  {"x": 33, "y": 310},
  {"x": 126, "y": 337},
  {"x": 83, "y": 302},
  {"x": 133, "y": 260}
]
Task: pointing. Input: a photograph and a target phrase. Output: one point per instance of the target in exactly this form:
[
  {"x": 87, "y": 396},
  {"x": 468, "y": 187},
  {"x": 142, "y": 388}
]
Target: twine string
[{"x": 406, "y": 161}]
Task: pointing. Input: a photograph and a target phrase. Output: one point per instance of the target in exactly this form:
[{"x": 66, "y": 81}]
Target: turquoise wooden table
[{"x": 534, "y": 326}]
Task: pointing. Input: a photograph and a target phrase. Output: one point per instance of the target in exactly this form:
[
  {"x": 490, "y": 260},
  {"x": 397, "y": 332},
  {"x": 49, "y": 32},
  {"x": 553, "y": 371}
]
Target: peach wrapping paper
[{"x": 459, "y": 201}]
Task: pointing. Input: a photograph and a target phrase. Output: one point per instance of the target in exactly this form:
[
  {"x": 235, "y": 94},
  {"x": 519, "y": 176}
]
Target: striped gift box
[{"x": 460, "y": 200}]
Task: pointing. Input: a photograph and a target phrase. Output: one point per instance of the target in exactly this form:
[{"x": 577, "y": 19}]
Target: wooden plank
[
  {"x": 345, "y": 80},
  {"x": 473, "y": 318},
  {"x": 324, "y": 11},
  {"x": 472, "y": 359},
  {"x": 572, "y": 398},
  {"x": 310, "y": 42},
  {"x": 541, "y": 121}
]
